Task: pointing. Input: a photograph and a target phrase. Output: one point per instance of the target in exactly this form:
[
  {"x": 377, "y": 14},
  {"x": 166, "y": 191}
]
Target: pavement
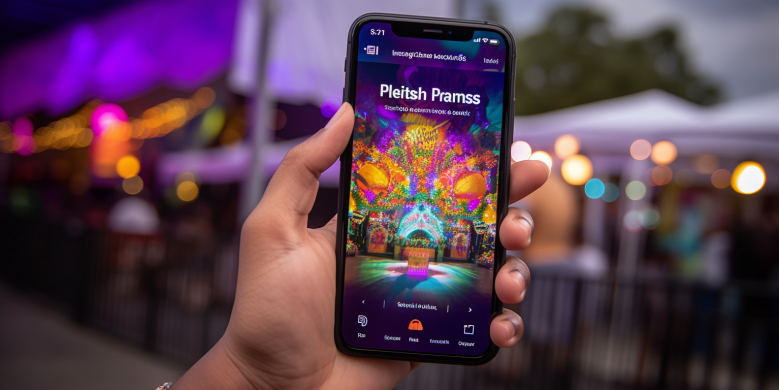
[{"x": 41, "y": 349}]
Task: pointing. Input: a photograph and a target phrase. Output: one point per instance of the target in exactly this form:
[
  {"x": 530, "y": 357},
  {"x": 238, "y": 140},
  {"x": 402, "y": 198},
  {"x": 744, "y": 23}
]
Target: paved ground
[{"x": 41, "y": 349}]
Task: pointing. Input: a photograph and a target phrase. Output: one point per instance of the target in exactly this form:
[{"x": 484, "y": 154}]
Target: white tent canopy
[{"x": 742, "y": 129}]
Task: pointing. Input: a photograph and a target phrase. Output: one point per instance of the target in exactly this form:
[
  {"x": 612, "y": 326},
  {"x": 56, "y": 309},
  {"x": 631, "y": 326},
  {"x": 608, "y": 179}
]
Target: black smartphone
[{"x": 423, "y": 183}]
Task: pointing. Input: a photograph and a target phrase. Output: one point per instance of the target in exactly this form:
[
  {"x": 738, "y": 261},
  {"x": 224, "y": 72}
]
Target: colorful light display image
[{"x": 423, "y": 196}]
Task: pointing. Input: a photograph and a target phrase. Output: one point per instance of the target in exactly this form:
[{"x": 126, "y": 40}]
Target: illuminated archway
[{"x": 421, "y": 218}]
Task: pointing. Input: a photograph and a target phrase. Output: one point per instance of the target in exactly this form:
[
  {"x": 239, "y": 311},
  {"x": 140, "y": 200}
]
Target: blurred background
[{"x": 136, "y": 137}]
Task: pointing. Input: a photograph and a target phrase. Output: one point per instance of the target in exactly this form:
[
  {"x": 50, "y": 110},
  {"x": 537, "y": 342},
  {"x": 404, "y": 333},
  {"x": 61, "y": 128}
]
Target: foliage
[{"x": 575, "y": 59}]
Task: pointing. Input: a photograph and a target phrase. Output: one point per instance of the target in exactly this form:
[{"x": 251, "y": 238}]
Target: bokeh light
[
  {"x": 748, "y": 177},
  {"x": 128, "y": 166},
  {"x": 705, "y": 164},
  {"x": 22, "y": 126},
  {"x": 594, "y": 188},
  {"x": 106, "y": 116},
  {"x": 187, "y": 191},
  {"x": 204, "y": 97},
  {"x": 543, "y": 157},
  {"x": 566, "y": 145},
  {"x": 662, "y": 175},
  {"x": 212, "y": 123},
  {"x": 663, "y": 153},
  {"x": 132, "y": 185},
  {"x": 633, "y": 221},
  {"x": 635, "y": 190},
  {"x": 520, "y": 151},
  {"x": 684, "y": 178},
  {"x": 650, "y": 218},
  {"x": 610, "y": 193},
  {"x": 640, "y": 149},
  {"x": 576, "y": 169},
  {"x": 720, "y": 178}
]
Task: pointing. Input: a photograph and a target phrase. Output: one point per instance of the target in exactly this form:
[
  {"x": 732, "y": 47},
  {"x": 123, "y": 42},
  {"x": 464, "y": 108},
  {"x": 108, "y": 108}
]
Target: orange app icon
[{"x": 415, "y": 325}]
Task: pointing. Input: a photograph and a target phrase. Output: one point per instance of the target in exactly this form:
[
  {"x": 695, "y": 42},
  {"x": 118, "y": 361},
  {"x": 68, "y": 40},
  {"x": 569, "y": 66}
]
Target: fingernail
[
  {"x": 336, "y": 115},
  {"x": 526, "y": 224},
  {"x": 514, "y": 322},
  {"x": 527, "y": 221}
]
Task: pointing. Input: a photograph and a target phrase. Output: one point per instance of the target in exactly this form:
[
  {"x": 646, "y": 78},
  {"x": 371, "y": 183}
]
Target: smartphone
[{"x": 423, "y": 184}]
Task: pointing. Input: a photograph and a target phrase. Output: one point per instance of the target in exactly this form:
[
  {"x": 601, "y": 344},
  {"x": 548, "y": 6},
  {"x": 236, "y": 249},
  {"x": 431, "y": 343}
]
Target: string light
[
  {"x": 664, "y": 153},
  {"x": 640, "y": 149},
  {"x": 748, "y": 177},
  {"x": 520, "y": 151},
  {"x": 576, "y": 169},
  {"x": 566, "y": 145}
]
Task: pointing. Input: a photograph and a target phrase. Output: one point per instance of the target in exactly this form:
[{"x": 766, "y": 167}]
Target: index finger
[{"x": 525, "y": 177}]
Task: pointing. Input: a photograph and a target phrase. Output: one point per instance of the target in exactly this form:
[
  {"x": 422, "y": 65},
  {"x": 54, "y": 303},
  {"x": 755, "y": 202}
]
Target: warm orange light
[
  {"x": 748, "y": 177},
  {"x": 204, "y": 97},
  {"x": 187, "y": 191},
  {"x": 720, "y": 178},
  {"x": 640, "y": 149},
  {"x": 663, "y": 153},
  {"x": 576, "y": 169},
  {"x": 662, "y": 175},
  {"x": 566, "y": 145},
  {"x": 543, "y": 157},
  {"x": 128, "y": 166}
]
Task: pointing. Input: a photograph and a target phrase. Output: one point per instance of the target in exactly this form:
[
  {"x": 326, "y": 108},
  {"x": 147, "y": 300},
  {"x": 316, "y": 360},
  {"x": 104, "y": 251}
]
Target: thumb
[{"x": 292, "y": 190}]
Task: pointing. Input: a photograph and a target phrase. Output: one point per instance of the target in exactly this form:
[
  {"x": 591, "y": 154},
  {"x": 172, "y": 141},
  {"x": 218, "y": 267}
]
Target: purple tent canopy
[{"x": 178, "y": 43}]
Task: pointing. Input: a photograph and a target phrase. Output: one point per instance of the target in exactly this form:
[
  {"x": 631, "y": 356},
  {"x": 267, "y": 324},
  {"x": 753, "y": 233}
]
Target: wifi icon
[{"x": 485, "y": 40}]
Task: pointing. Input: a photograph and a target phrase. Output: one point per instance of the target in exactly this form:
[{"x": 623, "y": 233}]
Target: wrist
[{"x": 217, "y": 369}]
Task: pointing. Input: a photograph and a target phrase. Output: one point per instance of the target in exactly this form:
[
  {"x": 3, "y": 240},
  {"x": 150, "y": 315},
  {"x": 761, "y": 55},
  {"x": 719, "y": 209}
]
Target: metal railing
[{"x": 174, "y": 298}]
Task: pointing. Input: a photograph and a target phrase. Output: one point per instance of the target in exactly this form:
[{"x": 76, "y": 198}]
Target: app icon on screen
[
  {"x": 362, "y": 320},
  {"x": 468, "y": 329}
]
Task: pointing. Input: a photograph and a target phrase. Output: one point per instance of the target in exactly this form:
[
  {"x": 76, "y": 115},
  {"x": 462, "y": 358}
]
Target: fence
[{"x": 174, "y": 298}]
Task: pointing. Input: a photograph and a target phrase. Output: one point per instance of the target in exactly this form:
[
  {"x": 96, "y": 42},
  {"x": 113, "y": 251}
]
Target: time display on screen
[{"x": 376, "y": 31}]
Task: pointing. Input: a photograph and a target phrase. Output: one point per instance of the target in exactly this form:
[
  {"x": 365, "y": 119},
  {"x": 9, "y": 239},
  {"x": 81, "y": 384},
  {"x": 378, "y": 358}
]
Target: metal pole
[{"x": 261, "y": 108}]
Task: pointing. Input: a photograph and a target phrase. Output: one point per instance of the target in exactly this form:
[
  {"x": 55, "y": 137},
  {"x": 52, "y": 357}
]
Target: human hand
[{"x": 281, "y": 329}]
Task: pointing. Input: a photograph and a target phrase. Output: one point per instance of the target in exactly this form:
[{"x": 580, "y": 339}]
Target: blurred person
[{"x": 280, "y": 333}]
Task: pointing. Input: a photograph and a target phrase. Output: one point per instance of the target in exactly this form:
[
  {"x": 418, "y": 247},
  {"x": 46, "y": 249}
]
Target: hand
[{"x": 281, "y": 329}]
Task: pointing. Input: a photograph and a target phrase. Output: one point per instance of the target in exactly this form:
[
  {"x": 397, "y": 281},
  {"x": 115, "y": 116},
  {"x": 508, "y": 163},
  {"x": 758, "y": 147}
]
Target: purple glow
[
  {"x": 329, "y": 108},
  {"x": 177, "y": 43},
  {"x": 22, "y": 126},
  {"x": 105, "y": 116},
  {"x": 417, "y": 271}
]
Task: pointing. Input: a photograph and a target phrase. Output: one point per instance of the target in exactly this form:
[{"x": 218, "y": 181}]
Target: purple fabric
[{"x": 178, "y": 43}]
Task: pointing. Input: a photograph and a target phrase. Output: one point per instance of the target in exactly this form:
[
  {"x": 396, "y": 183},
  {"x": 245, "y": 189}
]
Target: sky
[{"x": 734, "y": 42}]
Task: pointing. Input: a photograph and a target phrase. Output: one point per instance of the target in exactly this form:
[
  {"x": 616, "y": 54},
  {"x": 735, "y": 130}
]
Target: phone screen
[{"x": 420, "y": 251}]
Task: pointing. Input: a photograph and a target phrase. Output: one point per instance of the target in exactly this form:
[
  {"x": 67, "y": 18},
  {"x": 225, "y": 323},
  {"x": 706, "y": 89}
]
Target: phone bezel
[{"x": 345, "y": 178}]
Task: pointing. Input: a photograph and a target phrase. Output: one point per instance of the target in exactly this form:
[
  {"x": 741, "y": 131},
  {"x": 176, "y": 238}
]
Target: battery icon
[{"x": 494, "y": 42}]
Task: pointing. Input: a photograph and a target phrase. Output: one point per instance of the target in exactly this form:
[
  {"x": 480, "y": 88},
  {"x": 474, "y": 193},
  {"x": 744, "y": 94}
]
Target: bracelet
[{"x": 165, "y": 386}]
